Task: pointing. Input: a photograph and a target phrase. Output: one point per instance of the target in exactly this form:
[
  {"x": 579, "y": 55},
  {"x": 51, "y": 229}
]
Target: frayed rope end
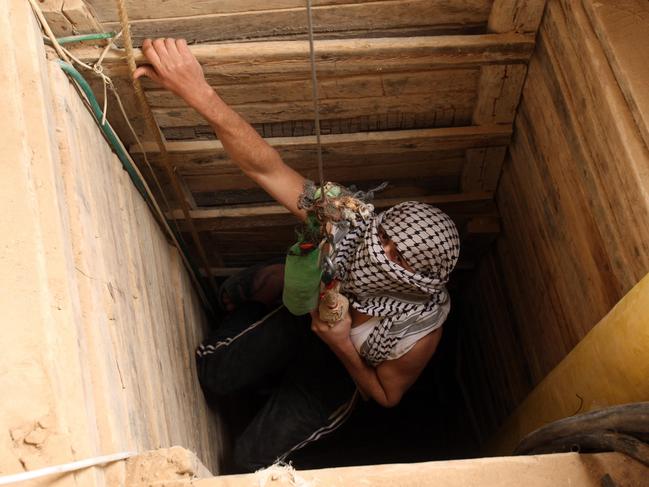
[{"x": 281, "y": 471}]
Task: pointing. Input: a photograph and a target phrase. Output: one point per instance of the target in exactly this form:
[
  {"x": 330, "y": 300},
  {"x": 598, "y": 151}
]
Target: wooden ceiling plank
[
  {"x": 499, "y": 93},
  {"x": 442, "y": 163},
  {"x": 516, "y": 15},
  {"x": 348, "y": 157},
  {"x": 288, "y": 60},
  {"x": 371, "y": 17},
  {"x": 358, "y": 142},
  {"x": 499, "y": 90},
  {"x": 266, "y": 210},
  {"x": 342, "y": 174},
  {"x": 53, "y": 13},
  {"x": 329, "y": 109},
  {"x": 154, "y": 9},
  {"x": 81, "y": 16},
  {"x": 408, "y": 188},
  {"x": 460, "y": 211},
  {"x": 447, "y": 85}
]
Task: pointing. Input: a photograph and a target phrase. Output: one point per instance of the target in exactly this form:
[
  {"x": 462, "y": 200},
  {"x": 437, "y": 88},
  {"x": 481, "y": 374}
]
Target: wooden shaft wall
[
  {"x": 574, "y": 202},
  {"x": 98, "y": 318},
  {"x": 608, "y": 367}
]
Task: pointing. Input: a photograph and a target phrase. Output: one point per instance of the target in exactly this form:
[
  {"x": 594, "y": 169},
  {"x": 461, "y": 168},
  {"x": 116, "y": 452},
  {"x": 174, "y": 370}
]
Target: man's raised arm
[{"x": 174, "y": 67}]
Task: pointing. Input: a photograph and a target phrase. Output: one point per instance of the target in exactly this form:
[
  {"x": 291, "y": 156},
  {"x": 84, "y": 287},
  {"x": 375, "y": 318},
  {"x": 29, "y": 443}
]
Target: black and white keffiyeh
[{"x": 428, "y": 240}]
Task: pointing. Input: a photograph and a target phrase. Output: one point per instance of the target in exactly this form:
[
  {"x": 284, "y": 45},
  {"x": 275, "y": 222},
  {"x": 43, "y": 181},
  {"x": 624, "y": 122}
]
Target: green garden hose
[{"x": 98, "y": 36}]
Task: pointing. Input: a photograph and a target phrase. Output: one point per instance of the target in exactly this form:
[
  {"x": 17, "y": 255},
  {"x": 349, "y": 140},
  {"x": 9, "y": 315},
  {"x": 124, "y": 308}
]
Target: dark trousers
[{"x": 309, "y": 392}]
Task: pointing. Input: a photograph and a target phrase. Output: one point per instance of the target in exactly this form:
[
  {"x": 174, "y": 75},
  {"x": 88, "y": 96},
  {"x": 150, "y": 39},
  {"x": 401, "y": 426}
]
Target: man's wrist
[
  {"x": 344, "y": 347},
  {"x": 205, "y": 101}
]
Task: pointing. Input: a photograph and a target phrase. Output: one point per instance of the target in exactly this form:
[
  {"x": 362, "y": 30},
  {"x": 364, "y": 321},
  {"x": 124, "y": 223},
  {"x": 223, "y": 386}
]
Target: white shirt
[{"x": 359, "y": 334}]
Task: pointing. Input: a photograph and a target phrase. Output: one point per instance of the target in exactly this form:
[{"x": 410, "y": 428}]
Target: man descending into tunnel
[{"x": 393, "y": 267}]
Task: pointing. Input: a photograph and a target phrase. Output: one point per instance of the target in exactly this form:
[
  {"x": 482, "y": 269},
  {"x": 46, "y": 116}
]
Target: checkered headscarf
[{"x": 428, "y": 240}]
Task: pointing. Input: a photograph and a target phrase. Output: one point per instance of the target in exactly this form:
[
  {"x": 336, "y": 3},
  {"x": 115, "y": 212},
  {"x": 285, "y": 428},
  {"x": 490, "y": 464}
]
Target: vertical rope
[
  {"x": 160, "y": 140},
  {"x": 314, "y": 94}
]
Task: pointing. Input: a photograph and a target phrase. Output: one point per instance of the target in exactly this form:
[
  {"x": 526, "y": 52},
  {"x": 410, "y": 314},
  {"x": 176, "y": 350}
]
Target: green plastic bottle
[
  {"x": 302, "y": 275},
  {"x": 302, "y": 271}
]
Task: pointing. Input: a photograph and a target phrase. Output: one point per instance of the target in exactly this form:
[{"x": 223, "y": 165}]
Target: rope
[
  {"x": 159, "y": 138},
  {"x": 316, "y": 103},
  {"x": 333, "y": 308},
  {"x": 283, "y": 472}
]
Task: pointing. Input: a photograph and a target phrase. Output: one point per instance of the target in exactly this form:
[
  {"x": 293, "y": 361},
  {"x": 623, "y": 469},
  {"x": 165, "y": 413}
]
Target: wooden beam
[
  {"x": 443, "y": 173},
  {"x": 289, "y": 60},
  {"x": 157, "y": 9},
  {"x": 516, "y": 15},
  {"x": 81, "y": 16},
  {"x": 482, "y": 168},
  {"x": 436, "y": 94},
  {"x": 576, "y": 185},
  {"x": 384, "y": 17},
  {"x": 245, "y": 240},
  {"x": 447, "y": 96},
  {"x": 499, "y": 92},
  {"x": 272, "y": 210},
  {"x": 69, "y": 17},
  {"x": 447, "y": 85},
  {"x": 418, "y": 105},
  {"x": 58, "y": 22},
  {"x": 339, "y": 149},
  {"x": 262, "y": 226}
]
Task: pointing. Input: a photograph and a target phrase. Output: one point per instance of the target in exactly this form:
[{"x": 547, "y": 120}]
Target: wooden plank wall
[
  {"x": 574, "y": 202},
  {"x": 493, "y": 373},
  {"x": 98, "y": 317},
  {"x": 595, "y": 374}
]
